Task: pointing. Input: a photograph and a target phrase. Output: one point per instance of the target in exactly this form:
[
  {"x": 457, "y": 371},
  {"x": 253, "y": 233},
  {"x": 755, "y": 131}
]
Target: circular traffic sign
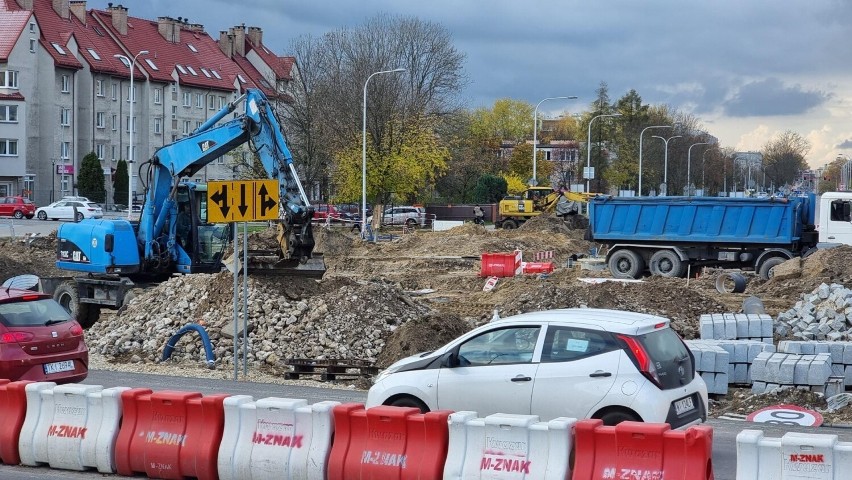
[{"x": 786, "y": 415}]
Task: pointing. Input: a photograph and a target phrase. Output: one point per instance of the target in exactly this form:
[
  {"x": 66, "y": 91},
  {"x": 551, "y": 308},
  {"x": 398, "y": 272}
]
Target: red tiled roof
[
  {"x": 253, "y": 77},
  {"x": 55, "y": 29},
  {"x": 282, "y": 66},
  {"x": 12, "y": 23},
  {"x": 12, "y": 96},
  {"x": 144, "y": 35}
]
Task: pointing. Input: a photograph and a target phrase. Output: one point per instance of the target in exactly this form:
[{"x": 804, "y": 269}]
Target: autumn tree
[
  {"x": 784, "y": 158},
  {"x": 831, "y": 175},
  {"x": 468, "y": 162}
]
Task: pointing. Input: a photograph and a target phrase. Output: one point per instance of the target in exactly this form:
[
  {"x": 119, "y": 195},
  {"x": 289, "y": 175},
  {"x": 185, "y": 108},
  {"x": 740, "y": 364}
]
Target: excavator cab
[{"x": 200, "y": 245}]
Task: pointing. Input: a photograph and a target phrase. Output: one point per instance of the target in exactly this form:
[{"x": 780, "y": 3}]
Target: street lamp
[
  {"x": 364, "y": 151},
  {"x": 534, "y": 180},
  {"x": 689, "y": 164},
  {"x": 666, "y": 159},
  {"x": 589, "y": 146},
  {"x": 640, "y": 152},
  {"x": 131, "y": 124},
  {"x": 703, "y": 160}
]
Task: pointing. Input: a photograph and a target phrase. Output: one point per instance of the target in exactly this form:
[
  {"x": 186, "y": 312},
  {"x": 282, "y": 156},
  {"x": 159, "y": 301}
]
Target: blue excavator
[{"x": 113, "y": 257}]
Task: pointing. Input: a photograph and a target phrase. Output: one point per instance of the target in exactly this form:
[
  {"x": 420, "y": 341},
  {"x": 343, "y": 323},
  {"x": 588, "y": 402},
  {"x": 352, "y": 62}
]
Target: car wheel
[
  {"x": 42, "y": 216},
  {"x": 767, "y": 267},
  {"x": 411, "y": 223},
  {"x": 666, "y": 263},
  {"x": 67, "y": 297},
  {"x": 78, "y": 217},
  {"x": 614, "y": 417},
  {"x": 409, "y": 402},
  {"x": 19, "y": 214},
  {"x": 626, "y": 264},
  {"x": 510, "y": 224}
]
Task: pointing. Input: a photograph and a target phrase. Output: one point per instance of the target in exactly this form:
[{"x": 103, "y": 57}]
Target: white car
[
  {"x": 69, "y": 210},
  {"x": 579, "y": 363}
]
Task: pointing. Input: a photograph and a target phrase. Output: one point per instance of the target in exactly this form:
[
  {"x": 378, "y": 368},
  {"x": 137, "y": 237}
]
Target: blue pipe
[{"x": 205, "y": 340}]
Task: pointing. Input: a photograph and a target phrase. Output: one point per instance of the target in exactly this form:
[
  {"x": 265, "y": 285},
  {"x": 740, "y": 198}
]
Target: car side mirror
[{"x": 451, "y": 360}]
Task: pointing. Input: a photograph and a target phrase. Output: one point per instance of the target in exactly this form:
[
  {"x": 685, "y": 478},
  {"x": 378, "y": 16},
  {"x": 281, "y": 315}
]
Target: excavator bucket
[{"x": 267, "y": 262}]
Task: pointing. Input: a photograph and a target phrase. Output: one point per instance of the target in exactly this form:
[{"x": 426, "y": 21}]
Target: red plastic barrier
[
  {"x": 388, "y": 443},
  {"x": 500, "y": 264},
  {"x": 13, "y": 409},
  {"x": 531, "y": 268},
  {"x": 170, "y": 435},
  {"x": 641, "y": 450}
]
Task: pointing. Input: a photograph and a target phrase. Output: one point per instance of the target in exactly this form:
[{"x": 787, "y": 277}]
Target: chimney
[
  {"x": 26, "y": 4},
  {"x": 119, "y": 18},
  {"x": 78, "y": 8},
  {"x": 196, "y": 27},
  {"x": 169, "y": 29},
  {"x": 61, "y": 8},
  {"x": 239, "y": 33},
  {"x": 226, "y": 44},
  {"x": 255, "y": 36}
]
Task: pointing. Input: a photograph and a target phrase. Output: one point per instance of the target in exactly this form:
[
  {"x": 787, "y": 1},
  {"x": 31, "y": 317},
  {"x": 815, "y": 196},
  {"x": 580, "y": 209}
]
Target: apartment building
[{"x": 66, "y": 89}]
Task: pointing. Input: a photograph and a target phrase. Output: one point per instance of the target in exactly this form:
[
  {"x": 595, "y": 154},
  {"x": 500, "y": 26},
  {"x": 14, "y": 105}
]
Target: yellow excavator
[{"x": 514, "y": 210}]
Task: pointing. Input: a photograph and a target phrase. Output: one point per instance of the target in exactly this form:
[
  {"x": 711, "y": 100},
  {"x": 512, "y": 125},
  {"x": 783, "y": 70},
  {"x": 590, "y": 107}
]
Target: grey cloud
[
  {"x": 845, "y": 144},
  {"x": 771, "y": 97}
]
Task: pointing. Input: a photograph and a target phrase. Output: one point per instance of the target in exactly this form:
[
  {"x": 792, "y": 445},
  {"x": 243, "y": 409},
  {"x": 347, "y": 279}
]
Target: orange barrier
[
  {"x": 532, "y": 268},
  {"x": 13, "y": 409},
  {"x": 388, "y": 443},
  {"x": 500, "y": 264},
  {"x": 170, "y": 435},
  {"x": 641, "y": 450}
]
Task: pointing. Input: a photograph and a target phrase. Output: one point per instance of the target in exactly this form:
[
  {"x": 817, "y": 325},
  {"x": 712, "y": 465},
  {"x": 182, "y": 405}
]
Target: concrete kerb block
[
  {"x": 773, "y": 368},
  {"x": 800, "y": 375},
  {"x": 788, "y": 370},
  {"x": 705, "y": 326},
  {"x": 758, "y": 366},
  {"x": 730, "y": 328},
  {"x": 742, "y": 326}
]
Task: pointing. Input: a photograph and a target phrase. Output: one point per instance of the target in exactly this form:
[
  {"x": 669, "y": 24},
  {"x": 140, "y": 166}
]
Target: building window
[
  {"x": 199, "y": 100},
  {"x": 187, "y": 99},
  {"x": 9, "y": 113},
  {"x": 99, "y": 88},
  {"x": 112, "y": 152},
  {"x": 9, "y": 78},
  {"x": 66, "y": 84},
  {"x": 8, "y": 147},
  {"x": 114, "y": 122},
  {"x": 115, "y": 91},
  {"x": 220, "y": 160},
  {"x": 211, "y": 102},
  {"x": 65, "y": 117},
  {"x": 127, "y": 150},
  {"x": 158, "y": 96},
  {"x": 65, "y": 150},
  {"x": 32, "y": 45},
  {"x": 129, "y": 94},
  {"x": 186, "y": 127},
  {"x": 127, "y": 124},
  {"x": 29, "y": 185},
  {"x": 158, "y": 125},
  {"x": 221, "y": 102},
  {"x": 99, "y": 151},
  {"x": 174, "y": 112},
  {"x": 198, "y": 124},
  {"x": 32, "y": 27},
  {"x": 100, "y": 121}
]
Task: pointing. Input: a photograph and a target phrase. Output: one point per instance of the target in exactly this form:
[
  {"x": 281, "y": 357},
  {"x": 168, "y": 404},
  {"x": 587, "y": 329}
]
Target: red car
[
  {"x": 39, "y": 340},
  {"x": 323, "y": 211},
  {"x": 18, "y": 207}
]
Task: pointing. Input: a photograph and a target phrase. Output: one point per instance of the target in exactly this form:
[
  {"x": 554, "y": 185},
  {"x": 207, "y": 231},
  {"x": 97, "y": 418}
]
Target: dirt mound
[
  {"x": 421, "y": 335},
  {"x": 796, "y": 276},
  {"x": 549, "y": 222},
  {"x": 37, "y": 258}
]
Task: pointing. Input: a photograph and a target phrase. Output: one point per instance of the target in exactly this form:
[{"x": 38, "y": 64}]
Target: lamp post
[
  {"x": 534, "y": 180},
  {"x": 640, "y": 152},
  {"x": 703, "y": 161},
  {"x": 364, "y": 151},
  {"x": 589, "y": 145},
  {"x": 689, "y": 164},
  {"x": 666, "y": 159},
  {"x": 130, "y": 125}
]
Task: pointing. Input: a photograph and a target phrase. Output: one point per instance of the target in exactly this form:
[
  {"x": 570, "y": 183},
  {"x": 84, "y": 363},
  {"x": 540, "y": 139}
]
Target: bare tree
[{"x": 784, "y": 157}]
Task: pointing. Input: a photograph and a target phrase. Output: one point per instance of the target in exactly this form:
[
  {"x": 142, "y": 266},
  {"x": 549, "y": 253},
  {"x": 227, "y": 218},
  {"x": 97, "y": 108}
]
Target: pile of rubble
[{"x": 824, "y": 314}]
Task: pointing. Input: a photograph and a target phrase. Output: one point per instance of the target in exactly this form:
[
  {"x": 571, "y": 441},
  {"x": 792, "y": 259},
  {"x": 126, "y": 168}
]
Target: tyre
[
  {"x": 42, "y": 215},
  {"x": 19, "y": 214},
  {"x": 66, "y": 295},
  {"x": 666, "y": 263},
  {"x": 626, "y": 264},
  {"x": 766, "y": 268},
  {"x": 409, "y": 402},
  {"x": 509, "y": 224},
  {"x": 411, "y": 223},
  {"x": 78, "y": 216},
  {"x": 614, "y": 417}
]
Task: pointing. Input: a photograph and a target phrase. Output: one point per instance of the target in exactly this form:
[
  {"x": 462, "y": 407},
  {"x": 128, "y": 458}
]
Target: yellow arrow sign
[{"x": 242, "y": 201}]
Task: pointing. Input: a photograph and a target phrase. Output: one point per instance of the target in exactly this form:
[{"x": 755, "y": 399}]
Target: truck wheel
[
  {"x": 626, "y": 264},
  {"x": 66, "y": 296},
  {"x": 666, "y": 263},
  {"x": 766, "y": 267},
  {"x": 509, "y": 224}
]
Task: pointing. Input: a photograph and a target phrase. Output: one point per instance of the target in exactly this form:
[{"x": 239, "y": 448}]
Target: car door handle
[
  {"x": 600, "y": 373},
  {"x": 831, "y": 237},
  {"x": 521, "y": 379}
]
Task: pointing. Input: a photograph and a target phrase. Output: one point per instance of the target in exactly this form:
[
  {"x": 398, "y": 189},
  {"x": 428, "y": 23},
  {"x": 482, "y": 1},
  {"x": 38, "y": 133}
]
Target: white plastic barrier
[
  {"x": 795, "y": 456},
  {"x": 504, "y": 446},
  {"x": 71, "y": 427},
  {"x": 275, "y": 438},
  {"x": 441, "y": 225}
]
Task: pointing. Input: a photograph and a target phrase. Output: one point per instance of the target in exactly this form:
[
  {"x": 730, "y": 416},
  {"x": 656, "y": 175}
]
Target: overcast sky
[{"x": 748, "y": 69}]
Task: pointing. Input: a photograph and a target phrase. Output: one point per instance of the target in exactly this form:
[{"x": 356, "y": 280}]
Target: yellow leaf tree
[{"x": 515, "y": 184}]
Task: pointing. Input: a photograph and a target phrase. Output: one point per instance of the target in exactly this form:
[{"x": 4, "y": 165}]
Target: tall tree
[
  {"x": 784, "y": 158},
  {"x": 90, "y": 181},
  {"x": 831, "y": 176},
  {"x": 120, "y": 183}
]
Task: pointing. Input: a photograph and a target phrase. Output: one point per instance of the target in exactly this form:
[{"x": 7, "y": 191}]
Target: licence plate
[
  {"x": 684, "y": 405},
  {"x": 57, "y": 367}
]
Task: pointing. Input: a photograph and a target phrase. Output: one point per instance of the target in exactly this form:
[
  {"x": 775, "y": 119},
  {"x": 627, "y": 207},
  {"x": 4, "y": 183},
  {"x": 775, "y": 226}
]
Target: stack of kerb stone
[{"x": 824, "y": 314}]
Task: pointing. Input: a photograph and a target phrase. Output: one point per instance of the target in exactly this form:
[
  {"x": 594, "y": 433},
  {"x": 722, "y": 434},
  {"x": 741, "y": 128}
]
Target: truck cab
[{"x": 835, "y": 219}]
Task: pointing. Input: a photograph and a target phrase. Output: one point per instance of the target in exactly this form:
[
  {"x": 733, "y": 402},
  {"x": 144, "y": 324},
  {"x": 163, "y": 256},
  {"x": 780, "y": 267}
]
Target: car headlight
[{"x": 385, "y": 373}]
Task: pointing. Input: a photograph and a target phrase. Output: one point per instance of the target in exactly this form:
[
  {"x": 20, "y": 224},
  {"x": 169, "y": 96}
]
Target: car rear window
[
  {"x": 670, "y": 357},
  {"x": 28, "y": 201},
  {"x": 93, "y": 205},
  {"x": 32, "y": 313}
]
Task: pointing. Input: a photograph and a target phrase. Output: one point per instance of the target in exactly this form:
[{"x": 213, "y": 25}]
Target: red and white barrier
[
  {"x": 504, "y": 446},
  {"x": 793, "y": 456},
  {"x": 13, "y": 409},
  {"x": 275, "y": 438}
]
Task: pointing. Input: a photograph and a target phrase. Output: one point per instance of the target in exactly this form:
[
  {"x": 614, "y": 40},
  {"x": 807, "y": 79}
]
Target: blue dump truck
[{"x": 667, "y": 235}]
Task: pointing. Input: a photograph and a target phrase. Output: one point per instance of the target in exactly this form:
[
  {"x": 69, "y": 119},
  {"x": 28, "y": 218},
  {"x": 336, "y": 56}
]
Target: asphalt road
[{"x": 724, "y": 431}]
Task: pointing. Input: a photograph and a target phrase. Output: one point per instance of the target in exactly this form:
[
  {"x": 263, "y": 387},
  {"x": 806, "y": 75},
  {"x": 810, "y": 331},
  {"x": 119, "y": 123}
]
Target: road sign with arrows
[{"x": 242, "y": 201}]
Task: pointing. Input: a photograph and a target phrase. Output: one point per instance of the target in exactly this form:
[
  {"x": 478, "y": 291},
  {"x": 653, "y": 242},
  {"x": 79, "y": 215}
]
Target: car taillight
[
  {"x": 640, "y": 356},
  {"x": 15, "y": 337},
  {"x": 76, "y": 329}
]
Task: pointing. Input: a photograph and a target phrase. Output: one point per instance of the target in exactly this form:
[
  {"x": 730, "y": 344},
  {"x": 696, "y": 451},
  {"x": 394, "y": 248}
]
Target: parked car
[
  {"x": 349, "y": 211},
  {"x": 75, "y": 198},
  {"x": 408, "y": 216},
  {"x": 39, "y": 340},
  {"x": 581, "y": 363},
  {"x": 65, "y": 210},
  {"x": 323, "y": 211},
  {"x": 18, "y": 207}
]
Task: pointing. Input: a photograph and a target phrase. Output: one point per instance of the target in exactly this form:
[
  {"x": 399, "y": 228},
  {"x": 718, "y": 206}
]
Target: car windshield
[
  {"x": 32, "y": 313},
  {"x": 670, "y": 357}
]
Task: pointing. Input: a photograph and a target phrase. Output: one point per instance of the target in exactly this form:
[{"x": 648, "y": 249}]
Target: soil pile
[{"x": 797, "y": 276}]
